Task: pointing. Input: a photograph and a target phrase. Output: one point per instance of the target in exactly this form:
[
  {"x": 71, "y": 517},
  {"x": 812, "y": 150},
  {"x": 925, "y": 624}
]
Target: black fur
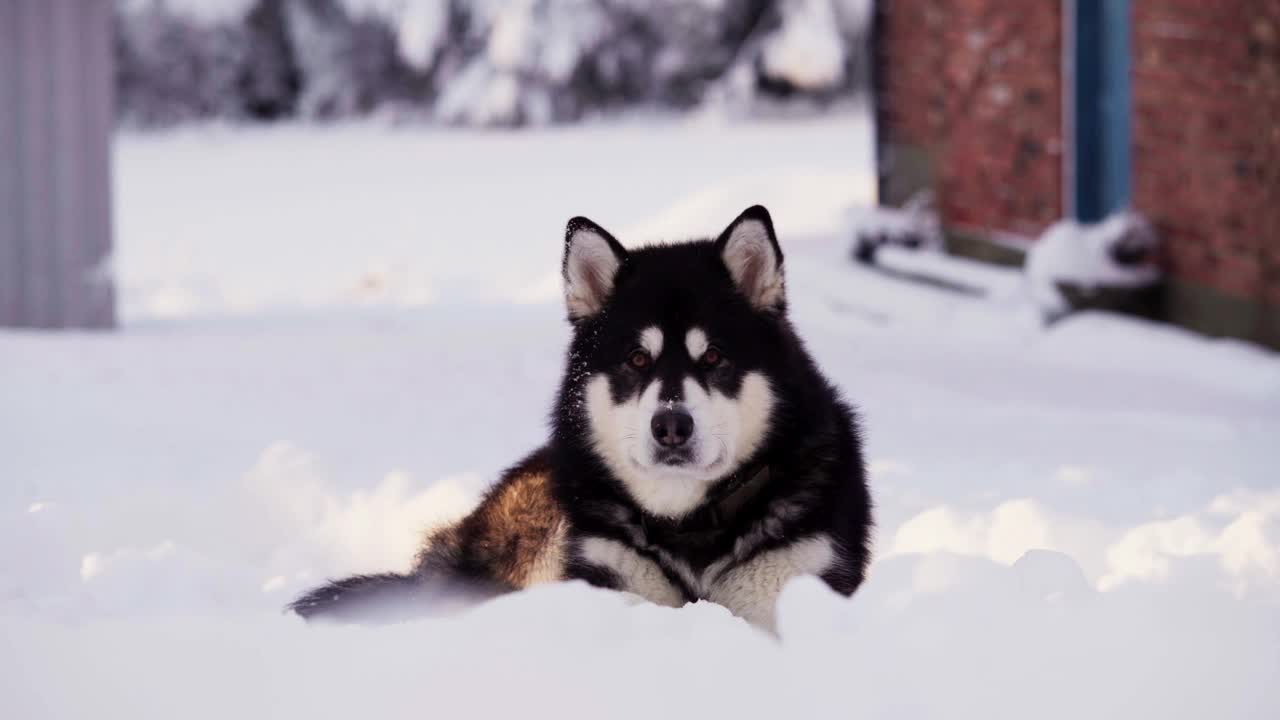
[
  {"x": 394, "y": 597},
  {"x": 812, "y": 453},
  {"x": 810, "y": 462},
  {"x": 355, "y": 596}
]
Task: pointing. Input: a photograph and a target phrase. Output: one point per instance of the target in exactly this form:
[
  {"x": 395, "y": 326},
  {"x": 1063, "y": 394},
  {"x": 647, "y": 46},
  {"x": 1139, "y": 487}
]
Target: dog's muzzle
[{"x": 672, "y": 428}]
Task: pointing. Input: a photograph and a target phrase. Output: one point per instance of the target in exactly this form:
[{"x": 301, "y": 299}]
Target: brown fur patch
[{"x": 515, "y": 537}]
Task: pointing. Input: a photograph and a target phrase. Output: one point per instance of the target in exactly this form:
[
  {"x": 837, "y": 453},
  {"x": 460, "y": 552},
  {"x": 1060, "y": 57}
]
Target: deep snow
[{"x": 335, "y": 337}]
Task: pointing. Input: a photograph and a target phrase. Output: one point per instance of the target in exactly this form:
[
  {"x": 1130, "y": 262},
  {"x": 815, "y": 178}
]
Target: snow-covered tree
[
  {"x": 477, "y": 62},
  {"x": 180, "y": 61}
]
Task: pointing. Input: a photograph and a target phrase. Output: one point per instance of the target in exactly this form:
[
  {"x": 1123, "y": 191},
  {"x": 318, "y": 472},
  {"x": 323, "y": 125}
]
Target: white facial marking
[
  {"x": 752, "y": 262},
  {"x": 727, "y": 432},
  {"x": 755, "y": 408},
  {"x": 751, "y": 590},
  {"x": 735, "y": 426},
  {"x": 638, "y": 574},
  {"x": 695, "y": 341},
  {"x": 651, "y": 341},
  {"x": 621, "y": 437},
  {"x": 588, "y": 273}
]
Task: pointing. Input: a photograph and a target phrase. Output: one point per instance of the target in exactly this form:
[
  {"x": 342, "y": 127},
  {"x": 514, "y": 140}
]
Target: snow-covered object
[
  {"x": 350, "y": 64},
  {"x": 184, "y": 60},
  {"x": 421, "y": 32},
  {"x": 480, "y": 95},
  {"x": 1118, "y": 252},
  {"x": 420, "y": 26},
  {"x": 318, "y": 36},
  {"x": 796, "y": 49},
  {"x": 689, "y": 48},
  {"x": 914, "y": 226},
  {"x": 523, "y": 76},
  {"x": 204, "y": 12},
  {"x": 806, "y": 51},
  {"x": 177, "y": 62},
  {"x": 479, "y": 62},
  {"x": 853, "y": 17}
]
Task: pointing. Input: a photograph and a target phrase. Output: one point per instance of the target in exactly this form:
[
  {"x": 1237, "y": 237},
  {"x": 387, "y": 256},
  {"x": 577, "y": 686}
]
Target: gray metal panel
[
  {"x": 65, "y": 122},
  {"x": 10, "y": 206},
  {"x": 99, "y": 116},
  {"x": 34, "y": 106},
  {"x": 56, "y": 122}
]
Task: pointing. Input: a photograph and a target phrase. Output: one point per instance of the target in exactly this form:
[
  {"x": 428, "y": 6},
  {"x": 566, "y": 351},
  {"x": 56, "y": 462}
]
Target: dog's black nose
[{"x": 672, "y": 428}]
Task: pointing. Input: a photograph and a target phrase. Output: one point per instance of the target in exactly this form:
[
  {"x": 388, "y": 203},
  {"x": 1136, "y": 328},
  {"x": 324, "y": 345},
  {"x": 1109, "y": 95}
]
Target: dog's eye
[
  {"x": 710, "y": 358},
  {"x": 639, "y": 359}
]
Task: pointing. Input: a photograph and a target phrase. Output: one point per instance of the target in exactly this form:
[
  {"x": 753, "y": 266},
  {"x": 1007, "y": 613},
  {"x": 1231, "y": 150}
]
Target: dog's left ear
[
  {"x": 749, "y": 249},
  {"x": 592, "y": 258}
]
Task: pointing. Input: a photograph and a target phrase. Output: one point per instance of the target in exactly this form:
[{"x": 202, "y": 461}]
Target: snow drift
[{"x": 1075, "y": 520}]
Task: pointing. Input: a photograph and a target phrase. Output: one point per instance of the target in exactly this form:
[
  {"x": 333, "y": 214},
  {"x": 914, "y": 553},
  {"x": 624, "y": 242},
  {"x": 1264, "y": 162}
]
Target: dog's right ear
[{"x": 592, "y": 258}]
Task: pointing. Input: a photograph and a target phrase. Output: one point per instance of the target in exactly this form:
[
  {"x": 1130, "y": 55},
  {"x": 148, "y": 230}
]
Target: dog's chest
[{"x": 743, "y": 571}]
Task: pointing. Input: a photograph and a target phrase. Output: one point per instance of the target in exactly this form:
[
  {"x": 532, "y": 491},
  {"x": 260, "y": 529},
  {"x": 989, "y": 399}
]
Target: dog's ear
[
  {"x": 750, "y": 251},
  {"x": 592, "y": 258}
]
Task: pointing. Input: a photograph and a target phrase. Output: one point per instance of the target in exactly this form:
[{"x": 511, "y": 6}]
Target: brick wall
[
  {"x": 978, "y": 90},
  {"x": 970, "y": 102},
  {"x": 1206, "y": 122}
]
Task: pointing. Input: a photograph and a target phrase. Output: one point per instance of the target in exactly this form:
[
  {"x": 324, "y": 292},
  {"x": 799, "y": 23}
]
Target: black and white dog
[{"x": 696, "y": 451}]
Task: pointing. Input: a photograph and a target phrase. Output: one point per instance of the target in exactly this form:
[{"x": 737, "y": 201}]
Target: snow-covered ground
[{"x": 335, "y": 337}]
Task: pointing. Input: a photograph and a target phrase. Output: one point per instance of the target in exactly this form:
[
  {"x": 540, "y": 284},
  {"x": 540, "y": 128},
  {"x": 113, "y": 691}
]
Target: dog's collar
[
  {"x": 705, "y": 525},
  {"x": 737, "y": 492}
]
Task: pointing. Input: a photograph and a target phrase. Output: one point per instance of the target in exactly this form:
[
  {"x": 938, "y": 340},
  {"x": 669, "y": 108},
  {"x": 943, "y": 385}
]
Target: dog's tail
[
  {"x": 390, "y": 597},
  {"x": 359, "y": 597}
]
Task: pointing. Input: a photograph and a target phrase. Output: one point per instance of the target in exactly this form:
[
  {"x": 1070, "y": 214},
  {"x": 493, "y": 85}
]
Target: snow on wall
[{"x": 1117, "y": 252}]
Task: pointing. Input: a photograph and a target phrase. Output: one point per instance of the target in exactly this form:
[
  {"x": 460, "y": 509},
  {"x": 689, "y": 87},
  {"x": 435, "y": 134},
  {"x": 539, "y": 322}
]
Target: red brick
[{"x": 982, "y": 87}]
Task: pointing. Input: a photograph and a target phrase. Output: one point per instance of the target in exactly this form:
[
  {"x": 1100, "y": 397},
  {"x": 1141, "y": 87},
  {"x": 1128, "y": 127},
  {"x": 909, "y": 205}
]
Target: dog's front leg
[
  {"x": 750, "y": 588},
  {"x": 609, "y": 563}
]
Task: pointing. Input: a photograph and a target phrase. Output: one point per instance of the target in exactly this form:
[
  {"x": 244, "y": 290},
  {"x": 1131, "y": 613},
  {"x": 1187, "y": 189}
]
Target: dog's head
[{"x": 676, "y": 354}]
